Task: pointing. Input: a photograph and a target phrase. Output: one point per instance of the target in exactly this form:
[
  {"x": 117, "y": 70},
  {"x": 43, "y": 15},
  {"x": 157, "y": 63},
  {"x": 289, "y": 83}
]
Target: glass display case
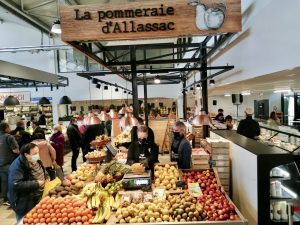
[{"x": 285, "y": 193}]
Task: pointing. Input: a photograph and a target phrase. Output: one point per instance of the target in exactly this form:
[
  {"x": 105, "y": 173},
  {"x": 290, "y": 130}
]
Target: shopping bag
[
  {"x": 59, "y": 171},
  {"x": 50, "y": 185}
]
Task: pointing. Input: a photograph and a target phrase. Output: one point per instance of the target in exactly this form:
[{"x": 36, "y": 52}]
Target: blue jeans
[{"x": 19, "y": 217}]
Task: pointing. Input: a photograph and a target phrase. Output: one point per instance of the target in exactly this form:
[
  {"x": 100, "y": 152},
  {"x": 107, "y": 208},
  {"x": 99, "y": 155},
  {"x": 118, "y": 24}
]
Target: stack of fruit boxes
[
  {"x": 198, "y": 132},
  {"x": 200, "y": 159},
  {"x": 220, "y": 159}
]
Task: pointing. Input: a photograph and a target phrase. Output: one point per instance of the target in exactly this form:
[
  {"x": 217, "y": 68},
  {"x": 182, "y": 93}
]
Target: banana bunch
[
  {"x": 103, "y": 213},
  {"x": 89, "y": 190},
  {"x": 97, "y": 199},
  {"x": 116, "y": 202},
  {"x": 112, "y": 188}
]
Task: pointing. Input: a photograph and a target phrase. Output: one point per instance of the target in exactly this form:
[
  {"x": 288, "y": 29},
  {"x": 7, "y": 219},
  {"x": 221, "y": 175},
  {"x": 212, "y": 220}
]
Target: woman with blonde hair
[{"x": 57, "y": 141}]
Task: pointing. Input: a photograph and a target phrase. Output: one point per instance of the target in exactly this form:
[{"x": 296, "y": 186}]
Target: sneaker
[{"x": 6, "y": 203}]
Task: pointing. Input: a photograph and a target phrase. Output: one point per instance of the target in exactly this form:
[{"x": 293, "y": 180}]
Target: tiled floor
[{"x": 7, "y": 215}]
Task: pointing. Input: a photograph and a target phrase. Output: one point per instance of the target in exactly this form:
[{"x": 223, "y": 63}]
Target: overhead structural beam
[
  {"x": 152, "y": 46},
  {"x": 150, "y": 62},
  {"x": 157, "y": 71},
  {"x": 162, "y": 83},
  {"x": 40, "y": 5},
  {"x": 13, "y": 8}
]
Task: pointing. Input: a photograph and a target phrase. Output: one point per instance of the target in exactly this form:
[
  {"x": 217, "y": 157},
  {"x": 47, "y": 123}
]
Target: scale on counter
[{"x": 136, "y": 181}]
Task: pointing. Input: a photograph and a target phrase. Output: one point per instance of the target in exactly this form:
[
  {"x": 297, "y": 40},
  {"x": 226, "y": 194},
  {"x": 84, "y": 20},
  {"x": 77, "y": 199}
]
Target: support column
[
  {"x": 204, "y": 87},
  {"x": 145, "y": 100},
  {"x": 184, "y": 98},
  {"x": 135, "y": 98}
]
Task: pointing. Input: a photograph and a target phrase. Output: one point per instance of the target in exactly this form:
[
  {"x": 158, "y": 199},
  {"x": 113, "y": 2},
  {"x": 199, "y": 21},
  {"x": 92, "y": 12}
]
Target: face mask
[
  {"x": 177, "y": 135},
  {"x": 143, "y": 140},
  {"x": 55, "y": 131},
  {"x": 35, "y": 158}
]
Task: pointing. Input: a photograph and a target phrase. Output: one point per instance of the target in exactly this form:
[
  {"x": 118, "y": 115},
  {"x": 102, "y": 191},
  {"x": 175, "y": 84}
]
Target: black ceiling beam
[
  {"x": 155, "y": 71},
  {"x": 152, "y": 46},
  {"x": 149, "y": 62},
  {"x": 152, "y": 83}
]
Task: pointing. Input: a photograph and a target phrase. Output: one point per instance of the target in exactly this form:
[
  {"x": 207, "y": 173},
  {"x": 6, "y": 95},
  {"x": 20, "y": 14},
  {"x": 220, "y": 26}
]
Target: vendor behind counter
[{"x": 141, "y": 151}]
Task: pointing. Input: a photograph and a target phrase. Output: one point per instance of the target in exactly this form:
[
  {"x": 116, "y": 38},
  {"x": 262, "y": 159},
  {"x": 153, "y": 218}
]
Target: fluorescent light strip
[
  {"x": 284, "y": 173},
  {"x": 281, "y": 91},
  {"x": 227, "y": 95},
  {"x": 246, "y": 93},
  {"x": 290, "y": 192}
]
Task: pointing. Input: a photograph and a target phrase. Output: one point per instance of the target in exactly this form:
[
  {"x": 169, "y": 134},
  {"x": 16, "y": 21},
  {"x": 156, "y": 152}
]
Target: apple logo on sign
[{"x": 212, "y": 18}]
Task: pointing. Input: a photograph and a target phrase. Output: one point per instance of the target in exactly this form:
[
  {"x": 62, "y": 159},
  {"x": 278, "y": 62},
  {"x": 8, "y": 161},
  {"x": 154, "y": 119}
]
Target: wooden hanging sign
[{"x": 149, "y": 19}]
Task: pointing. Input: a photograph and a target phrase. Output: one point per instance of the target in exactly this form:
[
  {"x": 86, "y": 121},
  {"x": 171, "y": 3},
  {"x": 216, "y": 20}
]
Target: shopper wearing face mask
[
  {"x": 181, "y": 149},
  {"x": 57, "y": 141},
  {"x": 26, "y": 180},
  {"x": 141, "y": 151}
]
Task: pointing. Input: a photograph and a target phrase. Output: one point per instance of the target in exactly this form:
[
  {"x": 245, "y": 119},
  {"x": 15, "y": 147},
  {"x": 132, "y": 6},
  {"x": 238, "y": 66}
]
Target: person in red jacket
[{"x": 57, "y": 141}]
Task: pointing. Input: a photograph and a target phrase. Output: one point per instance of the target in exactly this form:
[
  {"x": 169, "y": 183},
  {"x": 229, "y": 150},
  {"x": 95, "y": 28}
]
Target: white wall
[
  {"x": 248, "y": 101},
  {"x": 266, "y": 44}
]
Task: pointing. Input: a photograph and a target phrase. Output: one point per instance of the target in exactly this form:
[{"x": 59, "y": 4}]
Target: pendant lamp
[
  {"x": 44, "y": 101},
  {"x": 11, "y": 100},
  {"x": 201, "y": 119},
  {"x": 104, "y": 116},
  {"x": 65, "y": 100}
]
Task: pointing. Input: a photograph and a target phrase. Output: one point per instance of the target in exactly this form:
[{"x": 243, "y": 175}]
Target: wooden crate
[
  {"x": 220, "y": 157},
  {"x": 200, "y": 166},
  {"x": 159, "y": 128},
  {"x": 222, "y": 169}
]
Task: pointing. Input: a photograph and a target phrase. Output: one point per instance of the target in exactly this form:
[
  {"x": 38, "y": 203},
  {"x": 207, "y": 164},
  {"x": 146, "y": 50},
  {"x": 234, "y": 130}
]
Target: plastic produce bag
[{"x": 50, "y": 185}]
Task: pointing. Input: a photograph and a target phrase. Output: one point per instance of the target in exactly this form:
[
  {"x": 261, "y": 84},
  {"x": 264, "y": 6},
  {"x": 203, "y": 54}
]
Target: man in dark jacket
[
  {"x": 75, "y": 141},
  {"x": 249, "y": 127},
  {"x": 181, "y": 149},
  {"x": 26, "y": 180},
  {"x": 37, "y": 129},
  {"x": 90, "y": 133},
  {"x": 143, "y": 152},
  {"x": 9, "y": 150},
  {"x": 42, "y": 118},
  {"x": 20, "y": 134}
]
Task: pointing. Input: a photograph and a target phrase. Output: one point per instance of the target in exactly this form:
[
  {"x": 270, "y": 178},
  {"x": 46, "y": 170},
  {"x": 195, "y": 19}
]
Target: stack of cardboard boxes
[
  {"x": 219, "y": 151},
  {"x": 200, "y": 159},
  {"x": 198, "y": 132}
]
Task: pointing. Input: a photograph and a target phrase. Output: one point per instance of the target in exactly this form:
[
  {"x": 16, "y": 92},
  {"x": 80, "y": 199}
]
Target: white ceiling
[{"x": 286, "y": 79}]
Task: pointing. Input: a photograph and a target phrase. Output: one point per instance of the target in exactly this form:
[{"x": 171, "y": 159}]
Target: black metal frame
[{"x": 14, "y": 82}]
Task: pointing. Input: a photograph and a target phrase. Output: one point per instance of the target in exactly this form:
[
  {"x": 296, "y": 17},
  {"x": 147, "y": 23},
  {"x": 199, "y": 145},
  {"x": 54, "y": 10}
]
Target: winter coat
[
  {"x": 74, "y": 136},
  {"x": 23, "y": 190},
  {"x": 57, "y": 141}
]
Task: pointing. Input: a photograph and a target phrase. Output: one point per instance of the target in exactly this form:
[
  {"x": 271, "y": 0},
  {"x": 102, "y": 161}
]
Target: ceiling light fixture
[
  {"x": 98, "y": 86},
  {"x": 11, "y": 100},
  {"x": 244, "y": 93},
  {"x": 44, "y": 101},
  {"x": 105, "y": 87},
  {"x": 116, "y": 89},
  {"x": 192, "y": 88},
  {"x": 198, "y": 86},
  {"x": 94, "y": 81},
  {"x": 65, "y": 100},
  {"x": 156, "y": 80},
  {"x": 227, "y": 95},
  {"x": 211, "y": 82},
  {"x": 56, "y": 29},
  {"x": 282, "y": 90},
  {"x": 125, "y": 92}
]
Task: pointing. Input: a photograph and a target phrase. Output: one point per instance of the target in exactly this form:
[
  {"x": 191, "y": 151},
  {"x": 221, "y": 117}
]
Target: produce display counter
[{"x": 115, "y": 193}]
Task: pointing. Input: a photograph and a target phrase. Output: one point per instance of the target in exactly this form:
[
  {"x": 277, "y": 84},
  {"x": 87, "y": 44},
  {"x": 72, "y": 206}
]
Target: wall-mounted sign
[
  {"x": 23, "y": 97},
  {"x": 149, "y": 19},
  {"x": 36, "y": 99}
]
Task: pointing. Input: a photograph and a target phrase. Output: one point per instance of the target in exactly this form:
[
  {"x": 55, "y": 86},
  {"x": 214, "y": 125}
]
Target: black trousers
[{"x": 75, "y": 153}]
